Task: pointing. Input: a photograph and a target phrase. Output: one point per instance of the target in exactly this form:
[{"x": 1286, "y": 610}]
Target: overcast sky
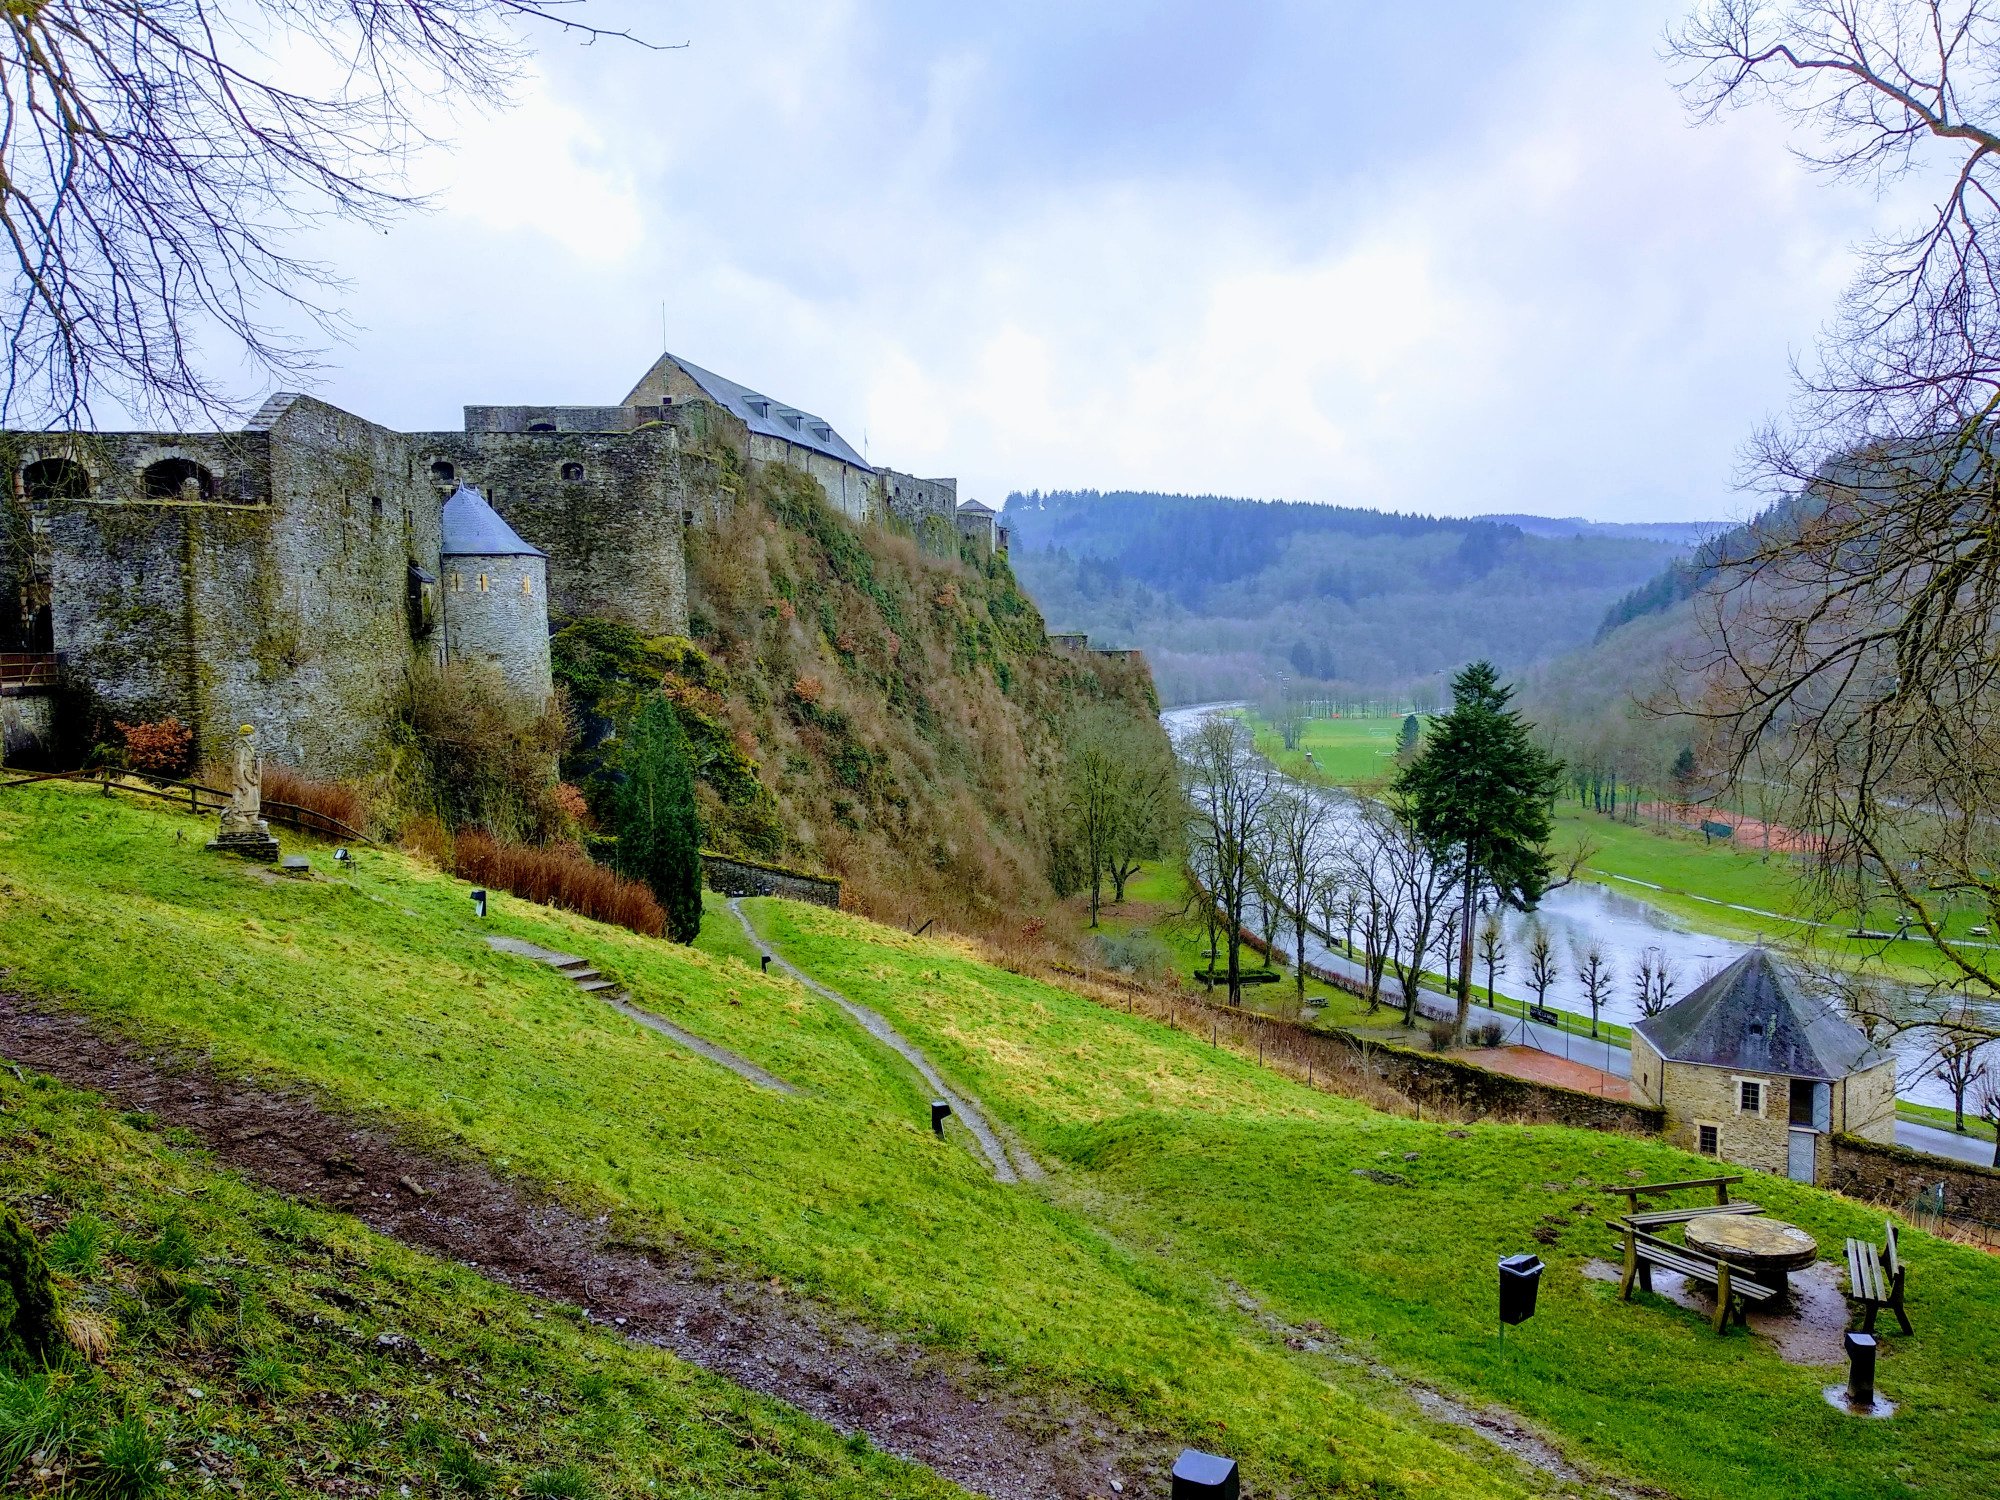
[{"x": 1456, "y": 257}]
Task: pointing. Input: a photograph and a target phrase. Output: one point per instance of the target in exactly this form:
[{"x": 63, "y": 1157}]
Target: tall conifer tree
[
  {"x": 1479, "y": 795},
  {"x": 659, "y": 829}
]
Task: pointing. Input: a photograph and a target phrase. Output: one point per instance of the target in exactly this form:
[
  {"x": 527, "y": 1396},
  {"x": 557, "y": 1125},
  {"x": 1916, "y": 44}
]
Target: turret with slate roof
[
  {"x": 495, "y": 594},
  {"x": 1754, "y": 1068}
]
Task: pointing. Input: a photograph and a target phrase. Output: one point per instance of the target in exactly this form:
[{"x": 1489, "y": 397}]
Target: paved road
[{"x": 1969, "y": 1148}]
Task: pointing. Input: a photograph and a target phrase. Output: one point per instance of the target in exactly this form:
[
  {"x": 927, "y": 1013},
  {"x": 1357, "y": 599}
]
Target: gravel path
[
  {"x": 1007, "y": 1167},
  {"x": 621, "y": 1001},
  {"x": 933, "y": 1408}
]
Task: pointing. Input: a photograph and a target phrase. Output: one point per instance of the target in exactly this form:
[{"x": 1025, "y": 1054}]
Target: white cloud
[{"x": 1569, "y": 302}]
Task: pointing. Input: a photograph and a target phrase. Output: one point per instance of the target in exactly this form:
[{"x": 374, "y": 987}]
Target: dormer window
[{"x": 758, "y": 405}]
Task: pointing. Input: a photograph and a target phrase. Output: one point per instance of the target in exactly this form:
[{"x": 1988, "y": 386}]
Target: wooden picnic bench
[
  {"x": 1735, "y": 1288},
  {"x": 1655, "y": 1218},
  {"x": 1875, "y": 1278}
]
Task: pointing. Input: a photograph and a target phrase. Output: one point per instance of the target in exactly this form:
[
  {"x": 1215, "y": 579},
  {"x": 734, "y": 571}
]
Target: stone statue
[{"x": 244, "y": 830}]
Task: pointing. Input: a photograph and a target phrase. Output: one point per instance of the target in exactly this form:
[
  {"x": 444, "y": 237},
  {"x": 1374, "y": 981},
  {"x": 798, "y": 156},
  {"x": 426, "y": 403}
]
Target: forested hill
[{"x": 1229, "y": 595}]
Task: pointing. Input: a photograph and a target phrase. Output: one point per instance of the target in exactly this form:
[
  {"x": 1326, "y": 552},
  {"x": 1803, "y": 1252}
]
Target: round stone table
[{"x": 1769, "y": 1249}]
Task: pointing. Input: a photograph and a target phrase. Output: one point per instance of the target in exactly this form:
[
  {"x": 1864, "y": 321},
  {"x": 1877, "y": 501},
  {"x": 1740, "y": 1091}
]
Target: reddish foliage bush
[
  {"x": 808, "y": 690},
  {"x": 330, "y": 799},
  {"x": 429, "y": 840},
  {"x": 570, "y": 805},
  {"x": 159, "y": 749},
  {"x": 558, "y": 875}
]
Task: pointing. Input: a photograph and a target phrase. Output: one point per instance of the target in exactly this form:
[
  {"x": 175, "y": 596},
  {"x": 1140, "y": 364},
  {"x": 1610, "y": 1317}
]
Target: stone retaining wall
[
  {"x": 1894, "y": 1175},
  {"x": 744, "y": 877}
]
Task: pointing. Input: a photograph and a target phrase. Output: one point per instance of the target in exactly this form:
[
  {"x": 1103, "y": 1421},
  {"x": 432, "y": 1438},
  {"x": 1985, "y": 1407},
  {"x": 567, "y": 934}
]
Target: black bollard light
[
  {"x": 765, "y": 960},
  {"x": 1205, "y": 1476},
  {"x": 939, "y": 1110},
  {"x": 1860, "y": 1368},
  {"x": 479, "y": 903},
  {"x": 1520, "y": 1277}
]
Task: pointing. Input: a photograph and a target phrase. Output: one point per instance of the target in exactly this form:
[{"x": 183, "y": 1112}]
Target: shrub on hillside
[
  {"x": 160, "y": 748},
  {"x": 473, "y": 753},
  {"x": 659, "y": 831},
  {"x": 337, "y": 800},
  {"x": 557, "y": 875}
]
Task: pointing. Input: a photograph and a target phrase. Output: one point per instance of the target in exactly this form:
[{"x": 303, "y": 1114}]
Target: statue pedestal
[{"x": 251, "y": 843}]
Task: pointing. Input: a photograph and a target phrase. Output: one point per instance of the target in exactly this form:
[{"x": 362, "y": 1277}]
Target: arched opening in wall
[
  {"x": 374, "y": 508},
  {"x": 443, "y": 472},
  {"x": 541, "y": 427},
  {"x": 572, "y": 473},
  {"x": 178, "y": 479},
  {"x": 55, "y": 479}
]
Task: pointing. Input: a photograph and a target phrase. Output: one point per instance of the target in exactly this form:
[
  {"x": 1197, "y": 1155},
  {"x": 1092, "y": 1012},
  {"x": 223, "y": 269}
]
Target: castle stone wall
[
  {"x": 278, "y": 599},
  {"x": 556, "y": 418},
  {"x": 609, "y": 508},
  {"x": 914, "y": 501},
  {"x": 855, "y": 493}
]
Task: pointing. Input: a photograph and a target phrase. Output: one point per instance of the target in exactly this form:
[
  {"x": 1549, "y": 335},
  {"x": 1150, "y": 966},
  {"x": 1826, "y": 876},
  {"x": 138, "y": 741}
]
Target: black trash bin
[
  {"x": 1860, "y": 1348},
  {"x": 1520, "y": 1275},
  {"x": 1205, "y": 1476}
]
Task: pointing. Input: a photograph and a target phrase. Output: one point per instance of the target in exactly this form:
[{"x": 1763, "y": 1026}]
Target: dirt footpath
[{"x": 934, "y": 1410}]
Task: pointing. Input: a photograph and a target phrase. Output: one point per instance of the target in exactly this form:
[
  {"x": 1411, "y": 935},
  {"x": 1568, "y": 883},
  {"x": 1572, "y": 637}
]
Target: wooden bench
[
  {"x": 1633, "y": 1191},
  {"x": 1659, "y": 1218},
  {"x": 1735, "y": 1290},
  {"x": 1875, "y": 1279}
]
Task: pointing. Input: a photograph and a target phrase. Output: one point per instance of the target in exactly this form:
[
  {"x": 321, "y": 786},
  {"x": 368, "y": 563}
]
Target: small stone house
[{"x": 1750, "y": 1069}]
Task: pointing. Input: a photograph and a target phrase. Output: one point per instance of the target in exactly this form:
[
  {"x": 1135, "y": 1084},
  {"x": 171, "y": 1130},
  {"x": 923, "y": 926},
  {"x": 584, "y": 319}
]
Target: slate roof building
[
  {"x": 1753, "y": 1069},
  {"x": 779, "y": 433}
]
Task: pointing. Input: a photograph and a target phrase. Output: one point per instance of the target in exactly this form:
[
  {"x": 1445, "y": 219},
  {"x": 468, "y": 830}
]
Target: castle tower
[{"x": 495, "y": 590}]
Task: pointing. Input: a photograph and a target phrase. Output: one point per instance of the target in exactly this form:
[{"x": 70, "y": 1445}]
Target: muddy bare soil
[{"x": 918, "y": 1405}]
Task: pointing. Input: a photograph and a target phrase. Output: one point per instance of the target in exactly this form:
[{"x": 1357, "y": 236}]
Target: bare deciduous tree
[
  {"x": 1297, "y": 825},
  {"x": 1228, "y": 788},
  {"x": 1654, "y": 983},
  {"x": 1958, "y": 1065},
  {"x": 1594, "y": 974},
  {"x": 158, "y": 157},
  {"x": 1543, "y": 966},
  {"x": 1492, "y": 951},
  {"x": 1855, "y": 637}
]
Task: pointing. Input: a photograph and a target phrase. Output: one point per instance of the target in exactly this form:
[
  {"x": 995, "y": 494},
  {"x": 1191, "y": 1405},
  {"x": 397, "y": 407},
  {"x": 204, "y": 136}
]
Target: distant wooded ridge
[{"x": 1231, "y": 596}]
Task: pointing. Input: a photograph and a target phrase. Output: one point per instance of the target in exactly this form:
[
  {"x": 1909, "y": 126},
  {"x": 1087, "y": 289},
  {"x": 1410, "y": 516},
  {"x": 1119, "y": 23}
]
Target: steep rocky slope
[{"x": 900, "y": 699}]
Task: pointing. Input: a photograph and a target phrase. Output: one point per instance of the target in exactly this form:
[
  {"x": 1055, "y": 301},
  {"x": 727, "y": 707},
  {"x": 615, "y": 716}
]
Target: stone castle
[{"x": 287, "y": 574}]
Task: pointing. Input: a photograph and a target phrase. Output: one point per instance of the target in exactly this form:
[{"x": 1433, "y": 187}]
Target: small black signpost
[
  {"x": 939, "y": 1111},
  {"x": 479, "y": 904},
  {"x": 1520, "y": 1277}
]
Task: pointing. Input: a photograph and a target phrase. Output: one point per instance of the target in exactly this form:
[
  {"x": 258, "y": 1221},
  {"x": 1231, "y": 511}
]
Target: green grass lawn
[
  {"x": 267, "y": 1349},
  {"x": 1183, "y": 1179}
]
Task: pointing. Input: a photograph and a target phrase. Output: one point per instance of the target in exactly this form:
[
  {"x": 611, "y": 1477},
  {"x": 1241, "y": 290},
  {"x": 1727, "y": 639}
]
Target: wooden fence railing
[
  {"x": 22, "y": 670},
  {"x": 200, "y": 799}
]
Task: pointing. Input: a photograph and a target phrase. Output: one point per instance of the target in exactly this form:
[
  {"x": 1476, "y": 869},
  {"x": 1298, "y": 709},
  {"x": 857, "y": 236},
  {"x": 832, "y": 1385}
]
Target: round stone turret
[{"x": 495, "y": 592}]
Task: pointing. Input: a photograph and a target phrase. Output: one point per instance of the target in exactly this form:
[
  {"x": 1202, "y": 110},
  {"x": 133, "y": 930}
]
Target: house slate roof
[
  {"x": 974, "y": 508},
  {"x": 773, "y": 418},
  {"x": 472, "y": 528},
  {"x": 1752, "y": 1016}
]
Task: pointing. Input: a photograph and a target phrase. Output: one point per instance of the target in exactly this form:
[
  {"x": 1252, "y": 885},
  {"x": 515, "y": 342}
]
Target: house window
[
  {"x": 482, "y": 583},
  {"x": 1707, "y": 1140},
  {"x": 374, "y": 508},
  {"x": 527, "y": 586},
  {"x": 458, "y": 583},
  {"x": 1749, "y": 1096}
]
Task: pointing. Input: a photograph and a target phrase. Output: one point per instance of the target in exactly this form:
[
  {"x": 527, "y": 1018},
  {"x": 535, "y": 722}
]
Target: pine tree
[
  {"x": 659, "y": 830},
  {"x": 1479, "y": 795},
  {"x": 1406, "y": 741}
]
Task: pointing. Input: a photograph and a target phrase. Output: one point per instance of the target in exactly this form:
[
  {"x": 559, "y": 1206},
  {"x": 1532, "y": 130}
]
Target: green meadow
[{"x": 1202, "y": 1259}]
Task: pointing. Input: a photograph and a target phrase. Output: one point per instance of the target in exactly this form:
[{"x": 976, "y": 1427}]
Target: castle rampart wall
[{"x": 609, "y": 508}]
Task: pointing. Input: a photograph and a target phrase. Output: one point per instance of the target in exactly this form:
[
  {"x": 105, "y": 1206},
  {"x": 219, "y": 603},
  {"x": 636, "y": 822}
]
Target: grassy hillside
[
  {"x": 1231, "y": 596},
  {"x": 253, "y": 1346},
  {"x": 1203, "y": 1260},
  {"x": 905, "y": 706}
]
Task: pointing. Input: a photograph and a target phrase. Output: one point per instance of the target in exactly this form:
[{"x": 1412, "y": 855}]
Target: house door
[{"x": 1800, "y": 1167}]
